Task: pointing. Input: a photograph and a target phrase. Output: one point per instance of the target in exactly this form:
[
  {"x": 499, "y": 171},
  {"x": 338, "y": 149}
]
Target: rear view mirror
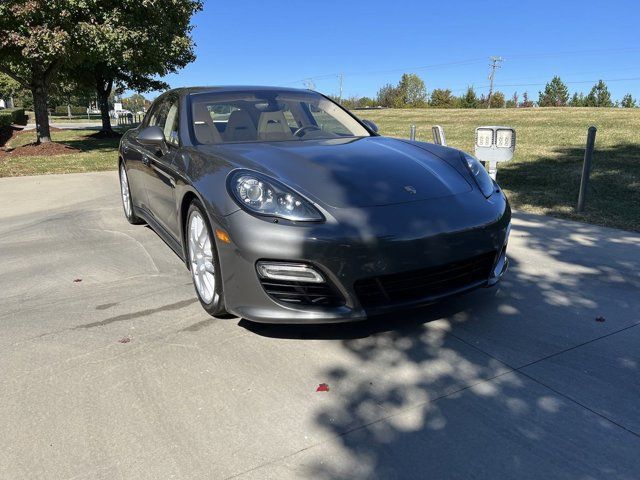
[
  {"x": 153, "y": 137},
  {"x": 372, "y": 126}
]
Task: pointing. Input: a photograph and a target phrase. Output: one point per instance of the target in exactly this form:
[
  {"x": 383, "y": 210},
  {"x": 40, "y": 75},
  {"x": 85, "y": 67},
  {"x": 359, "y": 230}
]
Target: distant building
[{"x": 6, "y": 102}]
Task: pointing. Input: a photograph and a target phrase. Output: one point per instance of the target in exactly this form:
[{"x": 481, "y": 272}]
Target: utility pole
[
  {"x": 495, "y": 63},
  {"x": 341, "y": 77}
]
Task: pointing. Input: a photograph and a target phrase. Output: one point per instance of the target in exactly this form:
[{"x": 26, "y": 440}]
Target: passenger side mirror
[
  {"x": 372, "y": 126},
  {"x": 153, "y": 137}
]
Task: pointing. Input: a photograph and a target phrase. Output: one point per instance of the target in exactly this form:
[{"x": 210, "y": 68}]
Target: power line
[{"x": 515, "y": 56}]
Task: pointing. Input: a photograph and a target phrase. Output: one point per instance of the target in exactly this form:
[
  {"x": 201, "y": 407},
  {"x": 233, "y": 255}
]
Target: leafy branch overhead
[{"x": 95, "y": 43}]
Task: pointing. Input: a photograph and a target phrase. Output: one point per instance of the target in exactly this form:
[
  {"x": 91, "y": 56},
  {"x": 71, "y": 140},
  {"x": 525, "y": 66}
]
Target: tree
[
  {"x": 389, "y": 96},
  {"x": 441, "y": 98},
  {"x": 555, "y": 94},
  {"x": 468, "y": 100},
  {"x": 37, "y": 37},
  {"x": 628, "y": 101},
  {"x": 513, "y": 101},
  {"x": 65, "y": 92},
  {"x": 497, "y": 100},
  {"x": 134, "y": 103},
  {"x": 526, "y": 103},
  {"x": 599, "y": 96},
  {"x": 577, "y": 100},
  {"x": 131, "y": 43},
  {"x": 412, "y": 91}
]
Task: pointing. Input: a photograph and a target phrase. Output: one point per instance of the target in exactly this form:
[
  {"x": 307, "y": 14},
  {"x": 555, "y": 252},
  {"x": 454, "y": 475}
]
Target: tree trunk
[
  {"x": 103, "y": 89},
  {"x": 40, "y": 94},
  {"x": 69, "y": 111}
]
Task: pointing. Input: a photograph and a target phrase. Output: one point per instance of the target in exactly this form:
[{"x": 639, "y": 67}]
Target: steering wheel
[{"x": 304, "y": 128}]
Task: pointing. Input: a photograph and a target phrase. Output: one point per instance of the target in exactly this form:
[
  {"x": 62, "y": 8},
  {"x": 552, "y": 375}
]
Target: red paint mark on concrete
[{"x": 323, "y": 387}]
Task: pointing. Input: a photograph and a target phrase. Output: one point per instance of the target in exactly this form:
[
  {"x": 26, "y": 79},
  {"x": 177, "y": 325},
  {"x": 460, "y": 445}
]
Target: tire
[
  {"x": 203, "y": 261},
  {"x": 127, "y": 199}
]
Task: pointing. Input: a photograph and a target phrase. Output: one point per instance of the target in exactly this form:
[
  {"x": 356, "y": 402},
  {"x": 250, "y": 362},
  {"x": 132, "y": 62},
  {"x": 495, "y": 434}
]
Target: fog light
[{"x": 296, "y": 272}]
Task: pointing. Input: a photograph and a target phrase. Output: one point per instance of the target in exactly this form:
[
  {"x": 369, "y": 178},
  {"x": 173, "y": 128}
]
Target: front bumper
[{"x": 357, "y": 244}]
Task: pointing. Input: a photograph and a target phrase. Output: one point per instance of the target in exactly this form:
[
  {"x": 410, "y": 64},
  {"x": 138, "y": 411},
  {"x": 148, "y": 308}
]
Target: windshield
[{"x": 269, "y": 116}]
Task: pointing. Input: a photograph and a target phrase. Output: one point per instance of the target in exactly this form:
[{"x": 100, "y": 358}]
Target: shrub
[
  {"x": 62, "y": 110},
  {"x": 12, "y": 115}
]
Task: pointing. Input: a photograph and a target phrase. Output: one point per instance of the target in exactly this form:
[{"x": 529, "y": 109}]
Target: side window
[
  {"x": 159, "y": 115},
  {"x": 165, "y": 116},
  {"x": 171, "y": 125}
]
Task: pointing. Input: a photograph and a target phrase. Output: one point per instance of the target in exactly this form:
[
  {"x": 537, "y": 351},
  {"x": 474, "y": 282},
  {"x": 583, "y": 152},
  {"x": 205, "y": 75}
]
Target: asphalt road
[{"x": 122, "y": 375}]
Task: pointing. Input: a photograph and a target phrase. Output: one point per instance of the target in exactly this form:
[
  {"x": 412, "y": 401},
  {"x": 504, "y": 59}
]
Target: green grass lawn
[
  {"x": 544, "y": 176},
  {"x": 96, "y": 154},
  {"x": 75, "y": 119}
]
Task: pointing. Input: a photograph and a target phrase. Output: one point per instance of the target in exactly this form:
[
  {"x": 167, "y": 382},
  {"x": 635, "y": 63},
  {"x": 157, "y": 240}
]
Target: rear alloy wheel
[
  {"x": 127, "y": 201},
  {"x": 203, "y": 261}
]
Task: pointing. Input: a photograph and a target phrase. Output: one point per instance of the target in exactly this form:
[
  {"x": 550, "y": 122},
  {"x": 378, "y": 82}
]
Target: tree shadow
[{"x": 440, "y": 392}]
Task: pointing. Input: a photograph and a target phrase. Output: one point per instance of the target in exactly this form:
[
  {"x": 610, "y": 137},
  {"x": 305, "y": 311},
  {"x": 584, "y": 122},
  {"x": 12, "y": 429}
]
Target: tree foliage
[
  {"x": 469, "y": 99},
  {"x": 526, "y": 103},
  {"x": 497, "y": 100},
  {"x": 37, "y": 37},
  {"x": 599, "y": 96},
  {"x": 577, "y": 100},
  {"x": 412, "y": 91},
  {"x": 556, "y": 94},
  {"x": 133, "y": 43},
  {"x": 628, "y": 101},
  {"x": 442, "y": 98},
  {"x": 409, "y": 93}
]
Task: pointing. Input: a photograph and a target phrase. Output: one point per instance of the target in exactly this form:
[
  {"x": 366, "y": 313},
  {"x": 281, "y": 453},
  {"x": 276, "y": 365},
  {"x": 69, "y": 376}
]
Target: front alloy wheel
[
  {"x": 203, "y": 261},
  {"x": 127, "y": 201}
]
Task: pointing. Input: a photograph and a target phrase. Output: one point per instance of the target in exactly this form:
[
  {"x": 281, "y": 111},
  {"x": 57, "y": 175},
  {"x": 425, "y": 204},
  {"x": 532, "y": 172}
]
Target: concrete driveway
[{"x": 122, "y": 375}]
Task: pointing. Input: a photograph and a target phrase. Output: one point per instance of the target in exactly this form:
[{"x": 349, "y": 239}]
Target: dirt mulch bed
[
  {"x": 44, "y": 149},
  {"x": 7, "y": 133}
]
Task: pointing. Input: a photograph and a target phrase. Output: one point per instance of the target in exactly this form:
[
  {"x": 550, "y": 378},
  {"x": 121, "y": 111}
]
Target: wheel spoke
[{"x": 201, "y": 257}]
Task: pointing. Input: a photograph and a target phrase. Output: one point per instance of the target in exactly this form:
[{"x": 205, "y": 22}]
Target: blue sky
[{"x": 448, "y": 43}]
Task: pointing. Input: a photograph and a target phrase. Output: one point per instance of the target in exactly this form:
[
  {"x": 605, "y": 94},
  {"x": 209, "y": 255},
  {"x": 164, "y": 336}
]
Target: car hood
[{"x": 343, "y": 173}]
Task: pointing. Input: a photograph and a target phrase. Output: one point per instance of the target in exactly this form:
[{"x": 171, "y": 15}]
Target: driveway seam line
[
  {"x": 373, "y": 422},
  {"x": 567, "y": 397},
  {"x": 628, "y": 327}
]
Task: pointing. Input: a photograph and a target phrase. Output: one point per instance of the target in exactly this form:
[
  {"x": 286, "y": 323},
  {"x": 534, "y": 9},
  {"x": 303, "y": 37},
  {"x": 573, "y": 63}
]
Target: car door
[{"x": 161, "y": 175}]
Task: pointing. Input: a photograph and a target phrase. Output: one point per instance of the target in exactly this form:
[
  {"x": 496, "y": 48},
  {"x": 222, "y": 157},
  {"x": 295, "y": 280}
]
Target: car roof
[{"x": 183, "y": 91}]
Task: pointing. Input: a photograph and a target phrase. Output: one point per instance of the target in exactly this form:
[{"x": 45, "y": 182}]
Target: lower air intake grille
[
  {"x": 422, "y": 284},
  {"x": 302, "y": 293}
]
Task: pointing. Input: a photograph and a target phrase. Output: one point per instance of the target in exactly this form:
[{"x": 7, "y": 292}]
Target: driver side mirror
[
  {"x": 372, "y": 126},
  {"x": 153, "y": 137}
]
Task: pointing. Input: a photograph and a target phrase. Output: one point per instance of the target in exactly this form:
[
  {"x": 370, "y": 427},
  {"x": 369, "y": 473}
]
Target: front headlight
[
  {"x": 479, "y": 174},
  {"x": 265, "y": 196}
]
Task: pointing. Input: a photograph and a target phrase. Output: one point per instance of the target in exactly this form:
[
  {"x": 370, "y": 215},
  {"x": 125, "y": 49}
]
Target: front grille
[
  {"x": 423, "y": 284},
  {"x": 303, "y": 293}
]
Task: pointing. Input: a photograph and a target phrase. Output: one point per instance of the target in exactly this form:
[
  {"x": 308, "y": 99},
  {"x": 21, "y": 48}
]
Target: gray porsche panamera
[{"x": 286, "y": 208}]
